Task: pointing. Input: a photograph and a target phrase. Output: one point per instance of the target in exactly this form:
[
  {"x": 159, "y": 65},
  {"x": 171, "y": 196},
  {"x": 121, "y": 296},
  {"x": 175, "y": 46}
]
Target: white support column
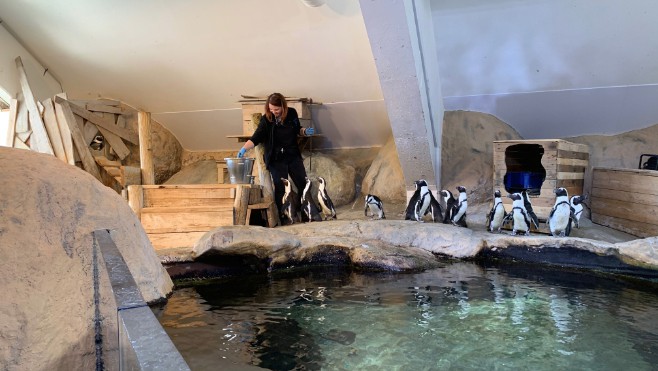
[{"x": 399, "y": 33}]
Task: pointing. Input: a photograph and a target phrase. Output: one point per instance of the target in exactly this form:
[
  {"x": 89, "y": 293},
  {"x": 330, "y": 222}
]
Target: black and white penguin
[
  {"x": 577, "y": 206},
  {"x": 310, "y": 212},
  {"x": 459, "y": 214},
  {"x": 497, "y": 214},
  {"x": 518, "y": 215},
  {"x": 289, "y": 202},
  {"x": 97, "y": 143},
  {"x": 436, "y": 211},
  {"x": 376, "y": 207},
  {"x": 423, "y": 202},
  {"x": 410, "y": 211},
  {"x": 559, "y": 220},
  {"x": 450, "y": 203},
  {"x": 528, "y": 208},
  {"x": 326, "y": 206}
]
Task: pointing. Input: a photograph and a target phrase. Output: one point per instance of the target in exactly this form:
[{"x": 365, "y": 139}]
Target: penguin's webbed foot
[{"x": 527, "y": 233}]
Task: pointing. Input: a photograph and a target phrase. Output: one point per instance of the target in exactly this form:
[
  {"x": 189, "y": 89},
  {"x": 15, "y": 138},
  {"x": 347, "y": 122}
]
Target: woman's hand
[
  {"x": 309, "y": 131},
  {"x": 241, "y": 153}
]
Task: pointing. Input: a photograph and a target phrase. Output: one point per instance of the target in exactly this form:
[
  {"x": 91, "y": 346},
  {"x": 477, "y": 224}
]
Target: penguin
[
  {"x": 559, "y": 220},
  {"x": 497, "y": 213},
  {"x": 459, "y": 213},
  {"x": 411, "y": 206},
  {"x": 97, "y": 143},
  {"x": 577, "y": 203},
  {"x": 310, "y": 212},
  {"x": 436, "y": 211},
  {"x": 326, "y": 206},
  {"x": 518, "y": 215},
  {"x": 376, "y": 207},
  {"x": 450, "y": 202},
  {"x": 289, "y": 202},
  {"x": 528, "y": 208},
  {"x": 423, "y": 203}
]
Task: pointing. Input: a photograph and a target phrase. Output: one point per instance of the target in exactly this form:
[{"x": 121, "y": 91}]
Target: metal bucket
[{"x": 239, "y": 169}]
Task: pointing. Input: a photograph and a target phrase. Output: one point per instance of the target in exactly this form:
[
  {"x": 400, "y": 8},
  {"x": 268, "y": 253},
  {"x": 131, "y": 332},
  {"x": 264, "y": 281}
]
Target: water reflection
[{"x": 467, "y": 315}]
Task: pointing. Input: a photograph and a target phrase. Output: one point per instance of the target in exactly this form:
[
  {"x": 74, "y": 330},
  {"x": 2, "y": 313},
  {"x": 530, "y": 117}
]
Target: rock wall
[
  {"x": 384, "y": 177},
  {"x": 48, "y": 211}
]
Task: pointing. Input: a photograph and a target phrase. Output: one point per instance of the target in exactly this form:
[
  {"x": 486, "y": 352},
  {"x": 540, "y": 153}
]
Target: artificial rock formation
[
  {"x": 384, "y": 177},
  {"x": 340, "y": 177},
  {"x": 48, "y": 211}
]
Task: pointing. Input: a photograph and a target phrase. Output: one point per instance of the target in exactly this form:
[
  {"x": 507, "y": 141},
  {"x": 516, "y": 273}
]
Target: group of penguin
[
  {"x": 423, "y": 202},
  {"x": 565, "y": 213},
  {"x": 310, "y": 212}
]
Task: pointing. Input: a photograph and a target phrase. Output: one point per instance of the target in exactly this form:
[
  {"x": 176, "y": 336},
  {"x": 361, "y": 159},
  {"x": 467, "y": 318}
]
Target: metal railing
[{"x": 143, "y": 343}]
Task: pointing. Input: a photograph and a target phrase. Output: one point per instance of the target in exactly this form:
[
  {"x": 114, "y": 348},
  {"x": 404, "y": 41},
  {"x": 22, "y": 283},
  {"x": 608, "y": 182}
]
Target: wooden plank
[
  {"x": 130, "y": 175},
  {"x": 89, "y": 130},
  {"x": 65, "y": 133},
  {"x": 100, "y": 107},
  {"x": 145, "y": 150},
  {"x": 161, "y": 200},
  {"x": 20, "y": 144},
  {"x": 166, "y": 220},
  {"x": 573, "y": 162},
  {"x": 136, "y": 199},
  {"x": 630, "y": 181},
  {"x": 82, "y": 148},
  {"x": 101, "y": 121},
  {"x": 41, "y": 108},
  {"x": 625, "y": 196},
  {"x": 635, "y": 228},
  {"x": 11, "y": 123},
  {"x": 39, "y": 136},
  {"x": 625, "y": 210},
  {"x": 113, "y": 171},
  {"x": 24, "y": 136},
  {"x": 103, "y": 161},
  {"x": 22, "y": 122},
  {"x": 191, "y": 186},
  {"x": 50, "y": 120},
  {"x": 175, "y": 240}
]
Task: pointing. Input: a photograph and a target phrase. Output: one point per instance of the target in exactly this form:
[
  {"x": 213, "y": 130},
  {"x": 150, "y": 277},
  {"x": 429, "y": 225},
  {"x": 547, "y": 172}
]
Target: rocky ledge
[{"x": 399, "y": 246}]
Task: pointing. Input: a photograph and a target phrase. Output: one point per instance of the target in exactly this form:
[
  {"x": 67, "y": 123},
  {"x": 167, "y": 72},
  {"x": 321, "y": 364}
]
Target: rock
[
  {"x": 200, "y": 172},
  {"x": 467, "y": 152},
  {"x": 48, "y": 211},
  {"x": 384, "y": 177},
  {"x": 340, "y": 178}
]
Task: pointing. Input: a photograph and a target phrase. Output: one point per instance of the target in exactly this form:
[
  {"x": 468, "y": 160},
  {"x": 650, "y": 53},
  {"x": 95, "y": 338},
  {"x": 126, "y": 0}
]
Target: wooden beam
[
  {"x": 99, "y": 107},
  {"x": 104, "y": 162},
  {"x": 22, "y": 123},
  {"x": 40, "y": 137},
  {"x": 11, "y": 127},
  {"x": 130, "y": 175},
  {"x": 136, "y": 199},
  {"x": 87, "y": 159},
  {"x": 65, "y": 134},
  {"x": 50, "y": 120},
  {"x": 240, "y": 204},
  {"x": 116, "y": 143},
  {"x": 101, "y": 121},
  {"x": 145, "y": 150},
  {"x": 24, "y": 135},
  {"x": 20, "y": 144}
]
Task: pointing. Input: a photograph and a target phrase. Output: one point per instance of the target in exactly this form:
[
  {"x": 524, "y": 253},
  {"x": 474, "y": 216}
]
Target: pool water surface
[{"x": 461, "y": 316}]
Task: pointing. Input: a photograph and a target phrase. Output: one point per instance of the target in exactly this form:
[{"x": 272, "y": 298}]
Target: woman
[{"x": 277, "y": 131}]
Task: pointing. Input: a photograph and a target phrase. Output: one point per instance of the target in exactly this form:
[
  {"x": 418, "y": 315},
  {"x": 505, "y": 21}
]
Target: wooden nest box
[{"x": 540, "y": 166}]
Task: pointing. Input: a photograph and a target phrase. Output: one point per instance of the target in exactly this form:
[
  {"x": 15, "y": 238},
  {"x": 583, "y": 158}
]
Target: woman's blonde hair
[{"x": 278, "y": 100}]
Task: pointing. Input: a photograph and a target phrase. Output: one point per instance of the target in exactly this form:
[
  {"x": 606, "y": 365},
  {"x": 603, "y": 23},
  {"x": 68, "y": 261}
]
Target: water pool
[{"x": 460, "y": 316}]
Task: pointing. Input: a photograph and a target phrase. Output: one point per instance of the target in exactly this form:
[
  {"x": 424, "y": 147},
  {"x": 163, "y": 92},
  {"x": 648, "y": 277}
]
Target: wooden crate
[
  {"x": 176, "y": 216},
  {"x": 564, "y": 164},
  {"x": 251, "y": 107},
  {"x": 626, "y": 200}
]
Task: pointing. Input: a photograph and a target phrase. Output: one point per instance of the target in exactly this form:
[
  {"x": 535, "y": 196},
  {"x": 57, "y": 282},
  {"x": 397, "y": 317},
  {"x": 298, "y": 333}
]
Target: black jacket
[{"x": 265, "y": 135}]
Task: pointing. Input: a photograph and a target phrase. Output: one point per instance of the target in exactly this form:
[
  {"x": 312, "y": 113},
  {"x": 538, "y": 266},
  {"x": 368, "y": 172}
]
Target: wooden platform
[
  {"x": 178, "y": 215},
  {"x": 626, "y": 200}
]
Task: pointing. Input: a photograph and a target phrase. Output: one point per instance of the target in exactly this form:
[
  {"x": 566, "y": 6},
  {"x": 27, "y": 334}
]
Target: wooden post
[
  {"x": 241, "y": 203},
  {"x": 265, "y": 178},
  {"x": 136, "y": 199},
  {"x": 145, "y": 151}
]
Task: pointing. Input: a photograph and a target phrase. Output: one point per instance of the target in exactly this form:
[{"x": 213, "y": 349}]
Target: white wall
[
  {"x": 551, "y": 68},
  {"x": 42, "y": 86}
]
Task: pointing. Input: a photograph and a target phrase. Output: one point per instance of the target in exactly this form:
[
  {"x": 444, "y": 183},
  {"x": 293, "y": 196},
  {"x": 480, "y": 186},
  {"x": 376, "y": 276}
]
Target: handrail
[{"x": 143, "y": 343}]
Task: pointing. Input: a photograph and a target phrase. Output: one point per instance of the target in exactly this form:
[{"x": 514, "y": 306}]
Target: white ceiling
[{"x": 188, "y": 62}]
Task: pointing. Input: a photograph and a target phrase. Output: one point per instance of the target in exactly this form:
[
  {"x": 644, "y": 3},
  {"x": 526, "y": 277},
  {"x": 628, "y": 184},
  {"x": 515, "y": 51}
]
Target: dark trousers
[{"x": 281, "y": 169}]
